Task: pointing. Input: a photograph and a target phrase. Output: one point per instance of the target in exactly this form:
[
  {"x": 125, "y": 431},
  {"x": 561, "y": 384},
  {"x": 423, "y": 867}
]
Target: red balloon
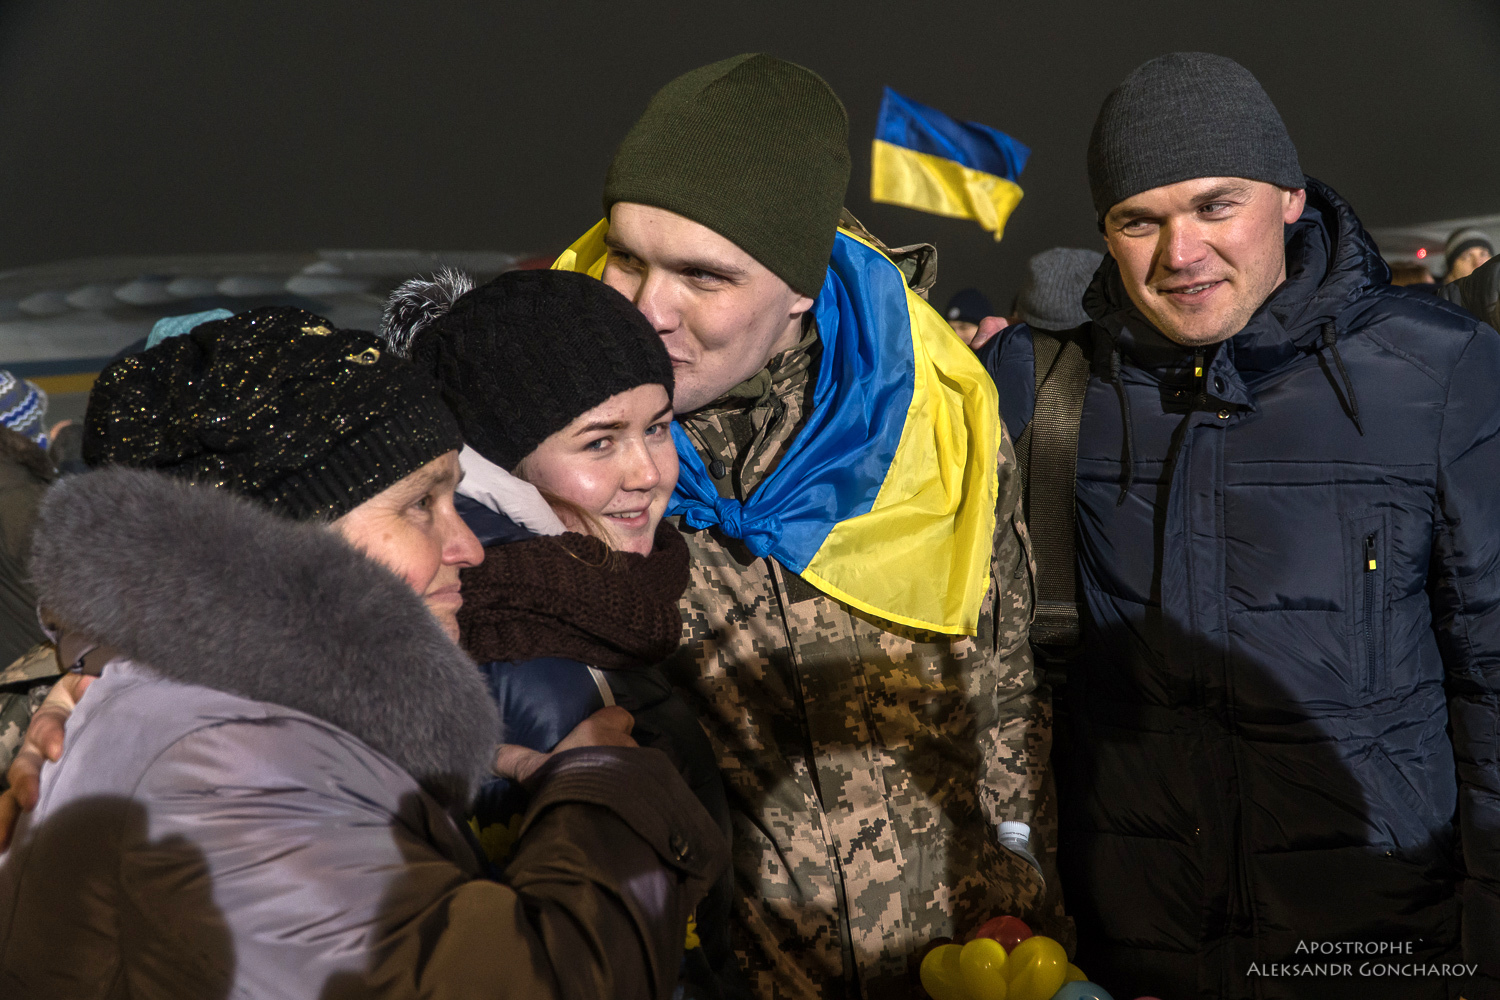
[{"x": 1009, "y": 931}]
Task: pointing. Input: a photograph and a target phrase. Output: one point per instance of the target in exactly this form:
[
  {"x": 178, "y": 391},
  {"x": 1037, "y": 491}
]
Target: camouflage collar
[
  {"x": 783, "y": 373},
  {"x": 37, "y": 663},
  {"x": 743, "y": 434}
]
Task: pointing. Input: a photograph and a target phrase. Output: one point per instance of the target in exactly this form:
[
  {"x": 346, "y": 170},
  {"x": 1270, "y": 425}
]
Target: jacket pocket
[{"x": 1367, "y": 547}]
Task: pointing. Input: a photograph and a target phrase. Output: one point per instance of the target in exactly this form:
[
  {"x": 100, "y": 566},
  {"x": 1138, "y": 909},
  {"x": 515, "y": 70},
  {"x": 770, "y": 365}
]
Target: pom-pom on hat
[
  {"x": 275, "y": 404},
  {"x": 416, "y": 302},
  {"x": 521, "y": 357}
]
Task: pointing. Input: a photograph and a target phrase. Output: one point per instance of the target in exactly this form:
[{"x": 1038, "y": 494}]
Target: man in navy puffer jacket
[{"x": 1279, "y": 741}]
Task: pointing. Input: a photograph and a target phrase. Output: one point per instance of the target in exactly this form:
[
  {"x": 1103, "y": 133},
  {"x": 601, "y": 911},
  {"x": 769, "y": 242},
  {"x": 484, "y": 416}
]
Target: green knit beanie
[{"x": 754, "y": 148}]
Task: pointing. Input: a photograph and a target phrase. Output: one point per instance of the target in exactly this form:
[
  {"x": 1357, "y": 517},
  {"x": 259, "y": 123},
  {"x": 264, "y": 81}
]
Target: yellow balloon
[
  {"x": 1036, "y": 968},
  {"x": 941, "y": 976},
  {"x": 982, "y": 963},
  {"x": 1075, "y": 974}
]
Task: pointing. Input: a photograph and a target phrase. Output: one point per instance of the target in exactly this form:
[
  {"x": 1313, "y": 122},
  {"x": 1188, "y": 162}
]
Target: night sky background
[{"x": 184, "y": 127}]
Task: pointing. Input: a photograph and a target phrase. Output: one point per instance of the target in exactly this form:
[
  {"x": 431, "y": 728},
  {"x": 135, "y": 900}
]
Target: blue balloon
[{"x": 1082, "y": 991}]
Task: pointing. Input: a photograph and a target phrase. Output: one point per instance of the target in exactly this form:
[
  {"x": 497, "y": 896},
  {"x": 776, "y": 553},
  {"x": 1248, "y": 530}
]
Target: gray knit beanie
[
  {"x": 1052, "y": 296},
  {"x": 1185, "y": 115},
  {"x": 1462, "y": 240}
]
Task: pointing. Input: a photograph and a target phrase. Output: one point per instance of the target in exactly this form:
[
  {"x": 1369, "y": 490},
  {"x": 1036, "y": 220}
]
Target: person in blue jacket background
[
  {"x": 563, "y": 391},
  {"x": 1282, "y": 726}
]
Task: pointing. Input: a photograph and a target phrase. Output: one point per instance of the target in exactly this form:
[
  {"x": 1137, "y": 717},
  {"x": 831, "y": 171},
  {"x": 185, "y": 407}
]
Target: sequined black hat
[{"x": 275, "y": 404}]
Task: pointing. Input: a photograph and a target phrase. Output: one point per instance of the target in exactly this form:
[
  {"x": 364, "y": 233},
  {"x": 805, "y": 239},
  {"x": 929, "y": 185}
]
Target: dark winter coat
[
  {"x": 1283, "y": 724},
  {"x": 24, "y": 475},
  {"x": 1479, "y": 292},
  {"x": 257, "y": 796},
  {"x": 542, "y": 697}
]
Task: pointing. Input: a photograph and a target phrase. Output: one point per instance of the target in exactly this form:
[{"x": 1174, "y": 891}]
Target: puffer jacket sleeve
[
  {"x": 1011, "y": 361},
  {"x": 1465, "y": 593},
  {"x": 308, "y": 885}
]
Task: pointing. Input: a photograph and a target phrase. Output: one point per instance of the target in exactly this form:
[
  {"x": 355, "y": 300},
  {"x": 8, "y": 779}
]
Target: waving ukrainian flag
[
  {"x": 885, "y": 499},
  {"x": 925, "y": 160}
]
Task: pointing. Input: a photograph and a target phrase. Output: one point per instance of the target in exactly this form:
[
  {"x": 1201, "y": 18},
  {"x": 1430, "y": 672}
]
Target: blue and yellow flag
[
  {"x": 885, "y": 499},
  {"x": 925, "y": 160}
]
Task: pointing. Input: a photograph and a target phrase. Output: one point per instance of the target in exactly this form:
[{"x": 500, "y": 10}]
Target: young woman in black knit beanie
[
  {"x": 564, "y": 391},
  {"x": 264, "y": 789}
]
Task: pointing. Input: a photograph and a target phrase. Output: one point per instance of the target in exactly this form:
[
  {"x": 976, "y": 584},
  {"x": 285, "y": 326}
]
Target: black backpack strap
[
  {"x": 1048, "y": 455},
  {"x": 1044, "y": 349}
]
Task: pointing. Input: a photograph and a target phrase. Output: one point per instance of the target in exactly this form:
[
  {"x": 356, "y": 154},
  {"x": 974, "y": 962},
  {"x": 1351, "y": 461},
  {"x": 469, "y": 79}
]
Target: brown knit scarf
[{"x": 569, "y": 595}]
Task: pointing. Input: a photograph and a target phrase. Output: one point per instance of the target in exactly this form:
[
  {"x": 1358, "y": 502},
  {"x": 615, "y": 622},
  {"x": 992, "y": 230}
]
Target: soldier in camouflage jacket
[
  {"x": 868, "y": 764},
  {"x": 24, "y": 685},
  {"x": 26, "y": 673}
]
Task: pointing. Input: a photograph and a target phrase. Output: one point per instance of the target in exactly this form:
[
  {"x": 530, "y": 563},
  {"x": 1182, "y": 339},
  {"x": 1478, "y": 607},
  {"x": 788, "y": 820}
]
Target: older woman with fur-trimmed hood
[
  {"x": 563, "y": 391},
  {"x": 258, "y": 794}
]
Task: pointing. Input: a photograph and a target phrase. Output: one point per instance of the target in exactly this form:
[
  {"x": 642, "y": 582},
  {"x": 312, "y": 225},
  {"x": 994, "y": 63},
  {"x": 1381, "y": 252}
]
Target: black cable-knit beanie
[
  {"x": 1186, "y": 115},
  {"x": 520, "y": 358},
  {"x": 275, "y": 404}
]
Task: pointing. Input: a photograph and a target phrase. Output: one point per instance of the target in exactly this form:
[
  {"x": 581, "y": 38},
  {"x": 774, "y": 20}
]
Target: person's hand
[
  {"x": 44, "y": 742},
  {"x": 988, "y": 327},
  {"x": 608, "y": 727}
]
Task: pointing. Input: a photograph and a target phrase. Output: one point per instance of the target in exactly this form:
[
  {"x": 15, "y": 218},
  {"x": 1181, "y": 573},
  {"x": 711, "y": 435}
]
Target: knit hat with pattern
[
  {"x": 23, "y": 407},
  {"x": 520, "y": 358},
  {"x": 275, "y": 404},
  {"x": 753, "y": 147}
]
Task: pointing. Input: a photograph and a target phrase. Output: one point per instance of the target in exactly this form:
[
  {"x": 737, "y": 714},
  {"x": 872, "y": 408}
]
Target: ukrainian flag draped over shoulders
[
  {"x": 925, "y": 160},
  {"x": 886, "y": 497}
]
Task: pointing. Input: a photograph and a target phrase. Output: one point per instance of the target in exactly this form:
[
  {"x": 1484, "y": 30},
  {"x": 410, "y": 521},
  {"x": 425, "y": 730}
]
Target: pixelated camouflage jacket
[
  {"x": 868, "y": 764},
  {"x": 23, "y": 687}
]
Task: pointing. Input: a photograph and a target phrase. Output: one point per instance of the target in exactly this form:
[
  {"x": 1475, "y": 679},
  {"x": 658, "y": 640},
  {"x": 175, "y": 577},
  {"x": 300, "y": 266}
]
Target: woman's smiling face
[{"x": 616, "y": 462}]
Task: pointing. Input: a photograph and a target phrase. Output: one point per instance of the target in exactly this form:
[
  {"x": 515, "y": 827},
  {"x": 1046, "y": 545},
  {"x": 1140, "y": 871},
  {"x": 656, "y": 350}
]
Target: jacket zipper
[
  {"x": 1371, "y": 565},
  {"x": 1201, "y": 376}
]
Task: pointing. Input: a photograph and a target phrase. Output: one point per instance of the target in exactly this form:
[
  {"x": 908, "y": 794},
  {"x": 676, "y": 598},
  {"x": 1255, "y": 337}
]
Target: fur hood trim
[{"x": 206, "y": 588}]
